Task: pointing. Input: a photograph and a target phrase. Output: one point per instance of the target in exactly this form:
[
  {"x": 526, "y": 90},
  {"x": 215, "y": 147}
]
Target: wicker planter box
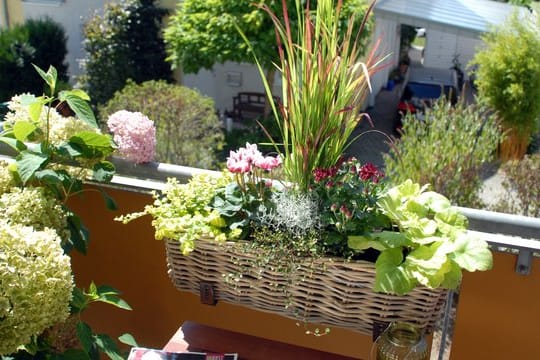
[{"x": 329, "y": 292}]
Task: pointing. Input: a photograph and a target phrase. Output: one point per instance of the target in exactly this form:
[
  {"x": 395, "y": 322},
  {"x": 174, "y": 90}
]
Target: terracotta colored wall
[
  {"x": 499, "y": 313},
  {"x": 128, "y": 258},
  {"x": 497, "y": 316}
]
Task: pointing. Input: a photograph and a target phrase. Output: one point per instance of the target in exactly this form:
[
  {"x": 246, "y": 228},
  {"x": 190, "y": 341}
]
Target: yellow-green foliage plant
[{"x": 508, "y": 80}]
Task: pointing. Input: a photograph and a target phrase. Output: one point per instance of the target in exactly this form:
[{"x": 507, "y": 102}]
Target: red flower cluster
[
  {"x": 369, "y": 171},
  {"x": 366, "y": 172}
]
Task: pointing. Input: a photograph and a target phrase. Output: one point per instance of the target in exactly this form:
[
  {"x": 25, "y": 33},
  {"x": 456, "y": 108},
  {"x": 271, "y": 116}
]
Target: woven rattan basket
[{"x": 327, "y": 292}]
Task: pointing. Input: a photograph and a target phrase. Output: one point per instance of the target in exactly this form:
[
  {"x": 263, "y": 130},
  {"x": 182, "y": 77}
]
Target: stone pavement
[{"x": 373, "y": 135}]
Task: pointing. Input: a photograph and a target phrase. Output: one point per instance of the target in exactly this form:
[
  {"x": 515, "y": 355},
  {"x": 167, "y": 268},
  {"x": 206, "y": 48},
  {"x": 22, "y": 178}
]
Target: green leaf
[
  {"x": 363, "y": 242},
  {"x": 91, "y": 144},
  {"x": 79, "y": 301},
  {"x": 13, "y": 143},
  {"x": 81, "y": 109},
  {"x": 452, "y": 278},
  {"x": 472, "y": 253},
  {"x": 34, "y": 110},
  {"x": 434, "y": 201},
  {"x": 79, "y": 234},
  {"x": 49, "y": 176},
  {"x": 68, "y": 150},
  {"x": 63, "y": 95},
  {"x": 128, "y": 339},
  {"x": 72, "y": 354},
  {"x": 391, "y": 277},
  {"x": 428, "y": 264},
  {"x": 50, "y": 76},
  {"x": 23, "y": 129},
  {"x": 108, "y": 346},
  {"x": 85, "y": 335},
  {"x": 104, "y": 172},
  {"x": 115, "y": 301},
  {"x": 92, "y": 289},
  {"x": 106, "y": 290},
  {"x": 28, "y": 163}
]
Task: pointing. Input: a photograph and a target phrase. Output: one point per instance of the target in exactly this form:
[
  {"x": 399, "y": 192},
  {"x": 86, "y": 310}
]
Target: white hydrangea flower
[
  {"x": 36, "y": 284},
  {"x": 32, "y": 207},
  {"x": 6, "y": 180},
  {"x": 60, "y": 128}
]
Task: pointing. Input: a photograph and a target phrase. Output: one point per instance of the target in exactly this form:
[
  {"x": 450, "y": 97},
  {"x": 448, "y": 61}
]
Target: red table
[{"x": 197, "y": 337}]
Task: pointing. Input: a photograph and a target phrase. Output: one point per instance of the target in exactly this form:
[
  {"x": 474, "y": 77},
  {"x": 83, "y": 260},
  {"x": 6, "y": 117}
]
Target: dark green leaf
[
  {"x": 79, "y": 234},
  {"x": 71, "y": 354},
  {"x": 79, "y": 301},
  {"x": 114, "y": 300},
  {"x": 108, "y": 346},
  {"x": 28, "y": 163},
  {"x": 81, "y": 109},
  {"x": 106, "y": 290},
  {"x": 14, "y": 143},
  {"x": 67, "y": 150},
  {"x": 104, "y": 172},
  {"x": 85, "y": 335},
  {"x": 49, "y": 176}
]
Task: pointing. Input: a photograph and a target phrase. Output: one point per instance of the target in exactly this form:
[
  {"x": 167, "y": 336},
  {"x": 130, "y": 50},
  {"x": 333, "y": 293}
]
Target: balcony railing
[{"x": 497, "y": 316}]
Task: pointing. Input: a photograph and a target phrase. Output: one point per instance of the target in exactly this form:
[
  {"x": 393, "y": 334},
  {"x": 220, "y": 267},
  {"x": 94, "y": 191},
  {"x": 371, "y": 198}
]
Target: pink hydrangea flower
[{"x": 135, "y": 135}]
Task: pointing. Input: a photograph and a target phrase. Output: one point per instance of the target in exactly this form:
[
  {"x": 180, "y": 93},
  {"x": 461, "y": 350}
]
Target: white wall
[
  {"x": 72, "y": 14},
  {"x": 221, "y": 84},
  {"x": 387, "y": 31},
  {"x": 442, "y": 43}
]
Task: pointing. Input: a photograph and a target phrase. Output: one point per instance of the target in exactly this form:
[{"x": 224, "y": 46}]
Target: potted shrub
[{"x": 325, "y": 240}]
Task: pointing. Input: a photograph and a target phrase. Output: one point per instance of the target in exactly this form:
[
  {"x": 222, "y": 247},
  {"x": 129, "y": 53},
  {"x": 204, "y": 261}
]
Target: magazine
[{"x": 138, "y": 353}]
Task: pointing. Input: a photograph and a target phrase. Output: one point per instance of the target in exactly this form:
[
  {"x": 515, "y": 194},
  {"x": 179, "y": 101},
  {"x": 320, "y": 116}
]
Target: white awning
[{"x": 476, "y": 16}]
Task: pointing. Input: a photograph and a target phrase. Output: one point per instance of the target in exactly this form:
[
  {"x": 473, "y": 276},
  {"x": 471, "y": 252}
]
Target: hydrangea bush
[
  {"x": 55, "y": 154},
  {"x": 36, "y": 284}
]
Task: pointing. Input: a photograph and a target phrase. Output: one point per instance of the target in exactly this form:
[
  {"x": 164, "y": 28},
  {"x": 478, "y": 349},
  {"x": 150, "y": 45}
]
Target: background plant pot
[{"x": 324, "y": 291}]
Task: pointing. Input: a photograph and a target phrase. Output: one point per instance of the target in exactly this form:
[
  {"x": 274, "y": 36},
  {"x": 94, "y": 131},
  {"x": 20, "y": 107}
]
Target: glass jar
[{"x": 402, "y": 341}]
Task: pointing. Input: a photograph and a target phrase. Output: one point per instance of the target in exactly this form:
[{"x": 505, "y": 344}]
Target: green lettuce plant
[{"x": 429, "y": 244}]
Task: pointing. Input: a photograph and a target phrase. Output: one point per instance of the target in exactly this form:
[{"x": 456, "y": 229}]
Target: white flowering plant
[{"x": 39, "y": 305}]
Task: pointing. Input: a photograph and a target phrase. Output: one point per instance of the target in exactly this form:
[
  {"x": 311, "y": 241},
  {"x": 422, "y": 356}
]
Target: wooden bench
[
  {"x": 249, "y": 105},
  {"x": 193, "y": 336}
]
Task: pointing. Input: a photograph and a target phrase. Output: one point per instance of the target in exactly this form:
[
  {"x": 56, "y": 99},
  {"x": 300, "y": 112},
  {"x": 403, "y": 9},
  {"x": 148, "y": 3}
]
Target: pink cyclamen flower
[
  {"x": 267, "y": 162},
  {"x": 242, "y": 160},
  {"x": 135, "y": 135}
]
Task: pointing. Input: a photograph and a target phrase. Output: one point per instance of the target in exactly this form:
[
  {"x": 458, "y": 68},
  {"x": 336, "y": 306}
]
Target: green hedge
[
  {"x": 188, "y": 131},
  {"x": 36, "y": 41}
]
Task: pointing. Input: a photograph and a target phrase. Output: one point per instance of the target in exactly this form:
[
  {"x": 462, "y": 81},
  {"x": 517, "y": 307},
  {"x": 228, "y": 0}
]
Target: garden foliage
[
  {"x": 522, "y": 187},
  {"x": 508, "y": 80},
  {"x": 123, "y": 43},
  {"x": 188, "y": 131},
  {"x": 446, "y": 150},
  {"x": 41, "y": 42}
]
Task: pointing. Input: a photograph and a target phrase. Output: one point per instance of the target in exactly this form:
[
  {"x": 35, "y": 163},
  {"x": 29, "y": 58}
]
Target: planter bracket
[{"x": 524, "y": 262}]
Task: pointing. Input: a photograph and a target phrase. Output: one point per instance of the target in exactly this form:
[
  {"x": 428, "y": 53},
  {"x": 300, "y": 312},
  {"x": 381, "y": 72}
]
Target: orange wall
[
  {"x": 499, "y": 313},
  {"x": 127, "y": 257}
]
